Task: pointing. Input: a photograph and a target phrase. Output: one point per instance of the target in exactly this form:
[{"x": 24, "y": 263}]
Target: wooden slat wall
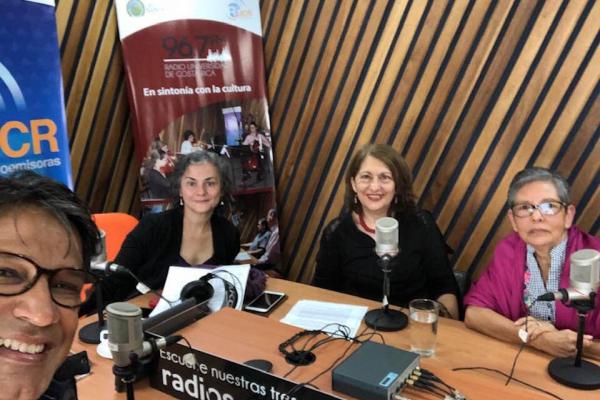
[{"x": 469, "y": 91}]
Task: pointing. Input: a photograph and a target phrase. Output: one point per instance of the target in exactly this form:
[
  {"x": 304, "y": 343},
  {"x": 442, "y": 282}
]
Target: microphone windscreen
[
  {"x": 386, "y": 236},
  {"x": 585, "y": 270},
  {"x": 124, "y": 331}
]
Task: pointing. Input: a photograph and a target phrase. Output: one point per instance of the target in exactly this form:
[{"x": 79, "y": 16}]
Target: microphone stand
[
  {"x": 386, "y": 319},
  {"x": 91, "y": 332},
  {"x": 573, "y": 371}
]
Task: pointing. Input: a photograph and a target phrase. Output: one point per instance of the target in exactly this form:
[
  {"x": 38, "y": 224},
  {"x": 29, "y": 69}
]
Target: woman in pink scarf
[{"x": 533, "y": 260}]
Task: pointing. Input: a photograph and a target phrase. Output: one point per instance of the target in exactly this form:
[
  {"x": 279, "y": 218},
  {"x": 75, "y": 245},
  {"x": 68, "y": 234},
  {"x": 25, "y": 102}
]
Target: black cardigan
[
  {"x": 347, "y": 262},
  {"x": 154, "y": 245}
]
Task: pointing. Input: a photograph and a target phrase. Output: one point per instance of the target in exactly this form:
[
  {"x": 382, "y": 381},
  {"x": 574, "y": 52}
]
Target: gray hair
[
  {"x": 539, "y": 174},
  {"x": 222, "y": 165}
]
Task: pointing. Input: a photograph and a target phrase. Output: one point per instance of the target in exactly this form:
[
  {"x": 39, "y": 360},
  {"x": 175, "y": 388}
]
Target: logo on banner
[
  {"x": 239, "y": 9},
  {"x": 13, "y": 87},
  {"x": 135, "y": 8}
]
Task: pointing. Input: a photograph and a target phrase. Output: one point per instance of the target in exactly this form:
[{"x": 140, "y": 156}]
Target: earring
[
  {"x": 180, "y": 200},
  {"x": 355, "y": 199},
  {"x": 222, "y": 203}
]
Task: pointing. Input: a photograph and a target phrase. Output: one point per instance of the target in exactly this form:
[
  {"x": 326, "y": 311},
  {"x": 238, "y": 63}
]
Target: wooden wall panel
[{"x": 469, "y": 92}]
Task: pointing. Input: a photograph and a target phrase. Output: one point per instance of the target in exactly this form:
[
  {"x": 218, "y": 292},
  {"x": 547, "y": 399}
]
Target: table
[{"x": 240, "y": 336}]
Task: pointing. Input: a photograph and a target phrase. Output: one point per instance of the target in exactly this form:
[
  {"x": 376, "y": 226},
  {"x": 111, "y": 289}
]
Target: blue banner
[{"x": 32, "y": 116}]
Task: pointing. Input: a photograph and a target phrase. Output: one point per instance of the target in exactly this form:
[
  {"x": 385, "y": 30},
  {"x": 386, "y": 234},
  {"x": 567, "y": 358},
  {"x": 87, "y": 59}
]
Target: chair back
[{"x": 116, "y": 226}]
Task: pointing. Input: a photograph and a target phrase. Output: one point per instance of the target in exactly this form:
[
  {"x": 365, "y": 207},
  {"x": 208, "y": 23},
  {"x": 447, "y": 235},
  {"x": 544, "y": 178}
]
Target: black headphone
[{"x": 203, "y": 290}]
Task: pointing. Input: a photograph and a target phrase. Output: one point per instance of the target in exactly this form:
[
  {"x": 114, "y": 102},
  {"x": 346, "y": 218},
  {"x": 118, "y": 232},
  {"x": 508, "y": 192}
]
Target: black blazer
[{"x": 153, "y": 246}]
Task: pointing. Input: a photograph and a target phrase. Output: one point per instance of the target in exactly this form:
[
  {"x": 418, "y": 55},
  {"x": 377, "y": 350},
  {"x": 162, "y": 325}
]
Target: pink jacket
[{"x": 500, "y": 286}]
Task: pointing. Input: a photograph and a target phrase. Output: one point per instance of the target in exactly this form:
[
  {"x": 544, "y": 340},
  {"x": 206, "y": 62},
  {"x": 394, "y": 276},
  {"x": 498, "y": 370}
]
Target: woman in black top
[
  {"x": 378, "y": 184},
  {"x": 190, "y": 234}
]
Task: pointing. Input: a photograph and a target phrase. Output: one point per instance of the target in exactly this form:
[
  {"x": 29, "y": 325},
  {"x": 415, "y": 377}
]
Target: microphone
[
  {"x": 126, "y": 336},
  {"x": 108, "y": 267},
  {"x": 386, "y": 247},
  {"x": 584, "y": 278},
  {"x": 386, "y": 237},
  {"x": 193, "y": 295}
]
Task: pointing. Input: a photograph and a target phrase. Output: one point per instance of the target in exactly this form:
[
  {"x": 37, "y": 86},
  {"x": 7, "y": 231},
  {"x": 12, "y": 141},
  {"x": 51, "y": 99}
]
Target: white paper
[
  {"x": 310, "y": 314},
  {"x": 242, "y": 256},
  {"x": 178, "y": 277}
]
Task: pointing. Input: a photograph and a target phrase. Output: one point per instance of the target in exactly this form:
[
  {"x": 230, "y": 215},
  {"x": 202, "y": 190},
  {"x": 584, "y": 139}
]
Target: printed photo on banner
[{"x": 196, "y": 82}]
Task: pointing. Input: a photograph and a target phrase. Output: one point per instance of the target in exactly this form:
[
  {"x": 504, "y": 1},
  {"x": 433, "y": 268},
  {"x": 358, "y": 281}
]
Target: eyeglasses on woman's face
[
  {"x": 18, "y": 274},
  {"x": 546, "y": 208}
]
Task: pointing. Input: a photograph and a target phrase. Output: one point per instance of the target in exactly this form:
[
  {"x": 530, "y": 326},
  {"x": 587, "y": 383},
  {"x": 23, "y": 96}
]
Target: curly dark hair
[
  {"x": 222, "y": 165},
  {"x": 404, "y": 202},
  {"x": 26, "y": 189}
]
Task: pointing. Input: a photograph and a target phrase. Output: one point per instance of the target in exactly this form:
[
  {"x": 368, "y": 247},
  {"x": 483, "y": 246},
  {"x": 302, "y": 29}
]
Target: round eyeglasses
[
  {"x": 18, "y": 274},
  {"x": 545, "y": 208}
]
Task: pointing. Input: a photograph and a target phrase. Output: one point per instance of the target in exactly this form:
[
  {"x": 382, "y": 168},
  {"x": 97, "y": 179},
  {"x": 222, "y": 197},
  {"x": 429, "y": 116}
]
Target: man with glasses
[
  {"x": 47, "y": 238},
  {"x": 534, "y": 260}
]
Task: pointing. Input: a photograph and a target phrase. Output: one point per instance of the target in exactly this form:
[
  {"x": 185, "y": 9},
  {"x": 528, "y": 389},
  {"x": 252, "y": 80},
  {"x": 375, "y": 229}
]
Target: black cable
[
  {"x": 155, "y": 292},
  {"x": 425, "y": 387},
  {"x": 506, "y": 375},
  {"x": 234, "y": 278},
  {"x": 430, "y": 375},
  {"x": 431, "y": 382},
  {"x": 522, "y": 346},
  {"x": 345, "y": 334}
]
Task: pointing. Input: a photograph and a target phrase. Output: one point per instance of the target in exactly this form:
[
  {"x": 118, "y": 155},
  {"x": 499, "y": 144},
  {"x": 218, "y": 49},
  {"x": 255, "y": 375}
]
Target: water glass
[{"x": 423, "y": 326}]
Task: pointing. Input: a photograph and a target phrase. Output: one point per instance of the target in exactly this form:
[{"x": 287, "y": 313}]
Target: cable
[
  {"x": 342, "y": 332},
  {"x": 522, "y": 346},
  {"x": 237, "y": 285},
  {"x": 155, "y": 292},
  {"x": 506, "y": 375}
]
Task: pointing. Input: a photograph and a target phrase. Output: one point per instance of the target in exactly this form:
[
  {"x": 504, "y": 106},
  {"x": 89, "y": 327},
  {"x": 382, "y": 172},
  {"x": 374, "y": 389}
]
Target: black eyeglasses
[
  {"x": 545, "y": 208},
  {"x": 18, "y": 274}
]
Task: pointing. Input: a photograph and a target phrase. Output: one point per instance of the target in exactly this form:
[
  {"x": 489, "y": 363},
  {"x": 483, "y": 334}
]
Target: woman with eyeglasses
[
  {"x": 531, "y": 261},
  {"x": 47, "y": 239},
  {"x": 379, "y": 184}
]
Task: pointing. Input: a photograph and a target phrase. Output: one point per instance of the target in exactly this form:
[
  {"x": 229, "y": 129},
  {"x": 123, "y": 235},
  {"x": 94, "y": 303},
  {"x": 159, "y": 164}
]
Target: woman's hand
[{"x": 544, "y": 336}]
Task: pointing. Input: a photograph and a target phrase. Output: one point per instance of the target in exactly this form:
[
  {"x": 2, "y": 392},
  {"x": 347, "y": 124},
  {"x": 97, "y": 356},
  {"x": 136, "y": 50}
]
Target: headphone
[{"x": 203, "y": 290}]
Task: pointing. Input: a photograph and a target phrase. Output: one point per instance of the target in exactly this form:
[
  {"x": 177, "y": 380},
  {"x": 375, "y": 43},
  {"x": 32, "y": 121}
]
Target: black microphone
[
  {"x": 109, "y": 267},
  {"x": 584, "y": 278},
  {"x": 126, "y": 336},
  {"x": 194, "y": 296}
]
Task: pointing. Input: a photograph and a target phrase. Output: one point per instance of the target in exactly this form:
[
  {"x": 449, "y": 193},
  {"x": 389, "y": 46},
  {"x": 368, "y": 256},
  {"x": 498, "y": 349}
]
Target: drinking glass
[{"x": 423, "y": 326}]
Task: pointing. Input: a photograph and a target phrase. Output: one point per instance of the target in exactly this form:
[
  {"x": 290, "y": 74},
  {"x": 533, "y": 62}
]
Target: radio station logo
[
  {"x": 135, "y": 8},
  {"x": 238, "y": 9},
  {"x": 13, "y": 87}
]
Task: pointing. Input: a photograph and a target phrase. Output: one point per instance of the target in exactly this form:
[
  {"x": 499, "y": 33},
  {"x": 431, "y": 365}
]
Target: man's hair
[
  {"x": 28, "y": 190},
  {"x": 539, "y": 174}
]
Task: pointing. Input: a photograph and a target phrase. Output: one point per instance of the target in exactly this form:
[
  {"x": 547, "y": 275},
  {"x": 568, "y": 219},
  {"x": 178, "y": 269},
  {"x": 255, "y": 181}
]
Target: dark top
[
  {"x": 160, "y": 187},
  {"x": 154, "y": 245},
  {"x": 347, "y": 261}
]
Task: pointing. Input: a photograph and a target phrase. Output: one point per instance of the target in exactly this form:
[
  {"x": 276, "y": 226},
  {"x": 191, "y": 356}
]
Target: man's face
[{"x": 35, "y": 332}]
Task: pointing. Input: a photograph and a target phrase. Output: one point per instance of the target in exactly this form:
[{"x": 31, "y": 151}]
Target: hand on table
[{"x": 544, "y": 336}]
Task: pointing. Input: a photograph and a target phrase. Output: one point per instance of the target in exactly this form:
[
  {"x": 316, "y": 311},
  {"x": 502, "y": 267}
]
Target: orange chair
[{"x": 116, "y": 226}]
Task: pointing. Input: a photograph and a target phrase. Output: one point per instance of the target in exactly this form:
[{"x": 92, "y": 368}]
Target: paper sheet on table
[
  {"x": 177, "y": 278},
  {"x": 311, "y": 314},
  {"x": 242, "y": 256}
]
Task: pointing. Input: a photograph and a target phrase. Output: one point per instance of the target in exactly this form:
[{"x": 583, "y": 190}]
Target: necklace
[{"x": 362, "y": 223}]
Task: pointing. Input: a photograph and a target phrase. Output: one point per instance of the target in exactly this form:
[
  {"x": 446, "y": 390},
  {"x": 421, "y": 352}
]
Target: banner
[
  {"x": 32, "y": 117},
  {"x": 196, "y": 82}
]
